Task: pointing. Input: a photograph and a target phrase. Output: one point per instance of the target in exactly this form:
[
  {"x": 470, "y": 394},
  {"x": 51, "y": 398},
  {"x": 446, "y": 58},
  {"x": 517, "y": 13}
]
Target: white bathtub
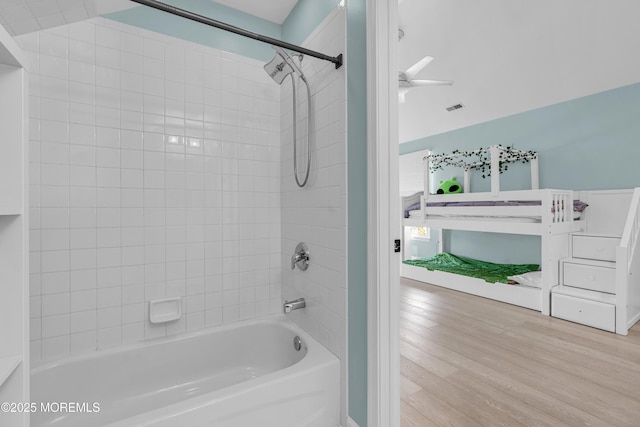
[{"x": 247, "y": 374}]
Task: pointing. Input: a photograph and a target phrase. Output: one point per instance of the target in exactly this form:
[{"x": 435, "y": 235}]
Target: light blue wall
[
  {"x": 423, "y": 248},
  {"x": 304, "y": 18},
  {"x": 469, "y": 244},
  {"x": 171, "y": 25},
  {"x": 588, "y": 143},
  {"x": 356, "y": 61}
]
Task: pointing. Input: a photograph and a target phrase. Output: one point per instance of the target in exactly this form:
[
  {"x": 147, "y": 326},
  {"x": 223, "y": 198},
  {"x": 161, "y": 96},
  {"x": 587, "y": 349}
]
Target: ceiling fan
[{"x": 406, "y": 78}]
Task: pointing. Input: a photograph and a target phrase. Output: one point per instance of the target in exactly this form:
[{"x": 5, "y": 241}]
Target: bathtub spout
[{"x": 297, "y": 304}]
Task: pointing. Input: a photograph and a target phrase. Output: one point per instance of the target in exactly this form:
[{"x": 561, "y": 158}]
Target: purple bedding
[{"x": 578, "y": 205}]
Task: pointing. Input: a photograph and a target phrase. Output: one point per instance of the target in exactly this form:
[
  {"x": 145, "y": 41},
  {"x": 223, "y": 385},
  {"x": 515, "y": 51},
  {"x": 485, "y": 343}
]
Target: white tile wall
[
  {"x": 155, "y": 171},
  {"x": 316, "y": 214}
]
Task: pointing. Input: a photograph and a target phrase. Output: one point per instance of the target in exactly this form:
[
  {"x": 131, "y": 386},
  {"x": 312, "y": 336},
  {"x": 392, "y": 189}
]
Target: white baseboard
[{"x": 351, "y": 423}]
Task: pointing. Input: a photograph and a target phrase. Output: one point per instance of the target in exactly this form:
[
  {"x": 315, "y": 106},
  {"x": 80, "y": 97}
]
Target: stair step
[
  {"x": 594, "y": 247},
  {"x": 594, "y": 262},
  {"x": 584, "y": 294},
  {"x": 587, "y": 234}
]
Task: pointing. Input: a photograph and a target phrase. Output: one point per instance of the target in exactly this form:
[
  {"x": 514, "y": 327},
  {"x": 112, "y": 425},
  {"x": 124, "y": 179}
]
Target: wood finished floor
[{"x": 470, "y": 361}]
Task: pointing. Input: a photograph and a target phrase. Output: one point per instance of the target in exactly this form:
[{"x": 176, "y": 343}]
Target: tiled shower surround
[
  {"x": 155, "y": 172},
  {"x": 317, "y": 213}
]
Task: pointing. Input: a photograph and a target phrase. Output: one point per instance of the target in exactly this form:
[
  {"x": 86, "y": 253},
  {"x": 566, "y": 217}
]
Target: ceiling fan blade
[
  {"x": 415, "y": 83},
  {"x": 417, "y": 67}
]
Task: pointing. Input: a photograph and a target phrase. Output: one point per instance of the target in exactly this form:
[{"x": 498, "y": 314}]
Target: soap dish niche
[{"x": 165, "y": 310}]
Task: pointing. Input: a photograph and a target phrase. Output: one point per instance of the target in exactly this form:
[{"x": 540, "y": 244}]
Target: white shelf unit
[{"x": 14, "y": 231}]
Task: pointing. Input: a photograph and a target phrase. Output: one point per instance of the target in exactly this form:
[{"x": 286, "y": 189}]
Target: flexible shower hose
[{"x": 295, "y": 132}]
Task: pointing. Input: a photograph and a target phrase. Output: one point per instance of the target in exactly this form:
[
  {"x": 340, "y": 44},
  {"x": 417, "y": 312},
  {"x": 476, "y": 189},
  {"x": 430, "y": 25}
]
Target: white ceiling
[{"x": 510, "y": 56}]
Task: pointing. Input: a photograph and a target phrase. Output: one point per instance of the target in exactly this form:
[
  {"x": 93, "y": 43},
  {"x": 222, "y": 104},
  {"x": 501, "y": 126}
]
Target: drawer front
[
  {"x": 591, "y": 313},
  {"x": 595, "y": 247},
  {"x": 601, "y": 279}
]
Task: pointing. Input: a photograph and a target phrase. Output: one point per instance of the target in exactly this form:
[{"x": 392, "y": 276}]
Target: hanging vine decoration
[{"x": 480, "y": 160}]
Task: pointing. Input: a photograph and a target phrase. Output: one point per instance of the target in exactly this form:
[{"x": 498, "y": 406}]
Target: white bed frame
[{"x": 552, "y": 220}]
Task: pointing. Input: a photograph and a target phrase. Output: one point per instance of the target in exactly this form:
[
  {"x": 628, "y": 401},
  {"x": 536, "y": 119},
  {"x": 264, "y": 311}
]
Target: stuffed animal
[{"x": 449, "y": 187}]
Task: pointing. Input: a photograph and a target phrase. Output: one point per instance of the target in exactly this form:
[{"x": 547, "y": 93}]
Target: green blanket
[{"x": 488, "y": 271}]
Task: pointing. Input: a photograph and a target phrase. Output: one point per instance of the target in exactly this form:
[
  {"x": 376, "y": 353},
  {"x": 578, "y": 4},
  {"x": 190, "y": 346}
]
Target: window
[{"x": 420, "y": 233}]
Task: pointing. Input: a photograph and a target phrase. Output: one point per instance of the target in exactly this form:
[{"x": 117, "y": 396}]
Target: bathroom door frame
[{"x": 384, "y": 222}]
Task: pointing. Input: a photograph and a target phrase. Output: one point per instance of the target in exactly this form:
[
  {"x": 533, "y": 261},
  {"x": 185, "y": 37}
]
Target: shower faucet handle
[{"x": 301, "y": 257}]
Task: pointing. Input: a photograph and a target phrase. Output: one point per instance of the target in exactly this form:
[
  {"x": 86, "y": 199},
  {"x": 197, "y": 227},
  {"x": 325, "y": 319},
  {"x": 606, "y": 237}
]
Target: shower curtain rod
[{"x": 226, "y": 27}]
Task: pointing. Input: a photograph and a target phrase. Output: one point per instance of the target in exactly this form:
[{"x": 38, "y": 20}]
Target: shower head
[{"x": 281, "y": 66}]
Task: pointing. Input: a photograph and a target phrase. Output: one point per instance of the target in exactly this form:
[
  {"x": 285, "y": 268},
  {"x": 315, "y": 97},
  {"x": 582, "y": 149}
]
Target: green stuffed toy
[{"x": 449, "y": 187}]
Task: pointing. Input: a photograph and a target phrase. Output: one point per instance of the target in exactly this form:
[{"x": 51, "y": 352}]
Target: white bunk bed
[{"x": 544, "y": 212}]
